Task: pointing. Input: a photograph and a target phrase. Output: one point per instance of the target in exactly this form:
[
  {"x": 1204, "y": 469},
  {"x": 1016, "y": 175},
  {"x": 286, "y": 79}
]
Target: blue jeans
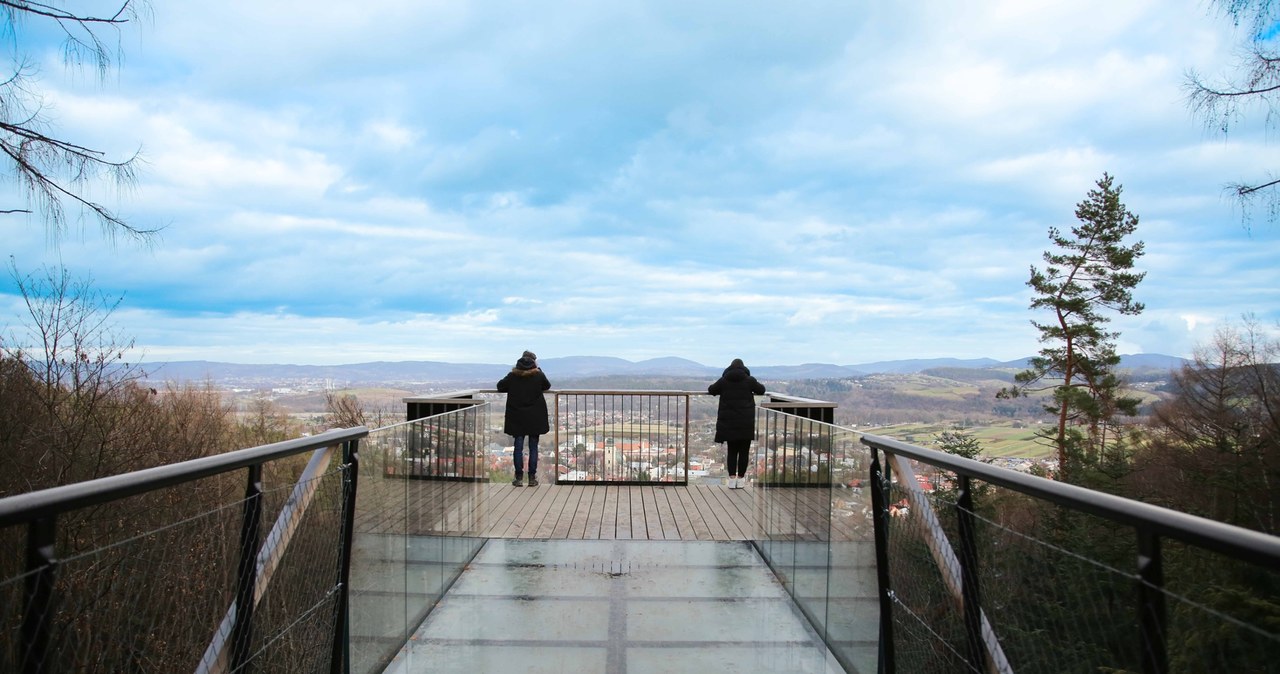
[{"x": 533, "y": 456}]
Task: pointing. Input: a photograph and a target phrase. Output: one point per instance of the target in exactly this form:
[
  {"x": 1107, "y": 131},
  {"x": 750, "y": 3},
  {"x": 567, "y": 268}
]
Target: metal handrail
[
  {"x": 779, "y": 398},
  {"x": 1245, "y": 544},
  {"x": 1149, "y": 523},
  {"x": 677, "y": 403},
  {"x": 791, "y": 405},
  {"x": 39, "y": 512},
  {"x": 57, "y": 500}
]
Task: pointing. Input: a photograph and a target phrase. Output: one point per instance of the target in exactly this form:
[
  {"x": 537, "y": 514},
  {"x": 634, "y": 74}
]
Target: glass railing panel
[
  {"x": 853, "y": 610},
  {"x": 815, "y": 531},
  {"x": 421, "y": 487},
  {"x": 378, "y": 597}
]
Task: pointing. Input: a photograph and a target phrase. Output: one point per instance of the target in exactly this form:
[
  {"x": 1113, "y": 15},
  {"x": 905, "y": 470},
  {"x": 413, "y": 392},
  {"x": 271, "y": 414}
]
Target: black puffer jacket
[
  {"x": 526, "y": 407},
  {"x": 736, "y": 418}
]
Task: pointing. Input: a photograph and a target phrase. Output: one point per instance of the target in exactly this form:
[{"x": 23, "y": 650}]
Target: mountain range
[{"x": 567, "y": 367}]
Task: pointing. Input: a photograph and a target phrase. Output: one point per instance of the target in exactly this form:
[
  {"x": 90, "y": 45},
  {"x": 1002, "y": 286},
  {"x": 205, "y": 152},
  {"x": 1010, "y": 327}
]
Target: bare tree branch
[
  {"x": 55, "y": 173},
  {"x": 1245, "y": 190},
  {"x": 1223, "y": 104}
]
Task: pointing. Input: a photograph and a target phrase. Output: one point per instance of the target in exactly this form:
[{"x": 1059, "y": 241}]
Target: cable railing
[
  {"x": 984, "y": 569},
  {"x": 225, "y": 563}
]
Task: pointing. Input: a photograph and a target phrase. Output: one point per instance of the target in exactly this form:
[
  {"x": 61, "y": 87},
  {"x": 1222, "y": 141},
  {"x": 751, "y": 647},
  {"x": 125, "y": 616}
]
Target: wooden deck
[
  {"x": 620, "y": 512},
  {"x": 587, "y": 512}
]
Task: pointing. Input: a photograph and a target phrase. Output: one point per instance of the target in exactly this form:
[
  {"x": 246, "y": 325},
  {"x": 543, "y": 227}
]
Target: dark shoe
[
  {"x": 516, "y": 482},
  {"x": 533, "y": 482}
]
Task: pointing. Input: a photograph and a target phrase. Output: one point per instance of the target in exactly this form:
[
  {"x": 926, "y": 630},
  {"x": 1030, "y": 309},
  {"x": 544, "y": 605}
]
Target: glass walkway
[{"x": 615, "y": 606}]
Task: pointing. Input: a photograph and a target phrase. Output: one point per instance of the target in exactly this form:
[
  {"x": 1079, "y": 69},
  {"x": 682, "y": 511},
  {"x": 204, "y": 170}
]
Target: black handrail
[
  {"x": 1149, "y": 522},
  {"x": 57, "y": 500},
  {"x": 39, "y": 511},
  {"x": 1245, "y": 544}
]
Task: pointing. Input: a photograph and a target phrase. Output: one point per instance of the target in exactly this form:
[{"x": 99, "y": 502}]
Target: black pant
[{"x": 738, "y": 451}]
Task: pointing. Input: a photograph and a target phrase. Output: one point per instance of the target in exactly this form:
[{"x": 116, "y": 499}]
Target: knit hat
[
  {"x": 530, "y": 355},
  {"x": 525, "y": 363}
]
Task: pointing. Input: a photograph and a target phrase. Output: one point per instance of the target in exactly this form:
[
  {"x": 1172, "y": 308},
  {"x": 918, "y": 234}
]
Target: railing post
[
  {"x": 969, "y": 575},
  {"x": 880, "y": 514},
  {"x": 1151, "y": 609},
  {"x": 38, "y": 602},
  {"x": 340, "y": 658},
  {"x": 555, "y": 439},
  {"x": 687, "y": 449},
  {"x": 247, "y": 576}
]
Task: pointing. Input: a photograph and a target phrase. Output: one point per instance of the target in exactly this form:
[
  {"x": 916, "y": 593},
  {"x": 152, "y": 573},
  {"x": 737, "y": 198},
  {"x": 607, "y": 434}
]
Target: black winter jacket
[
  {"x": 736, "y": 417},
  {"x": 526, "y": 407}
]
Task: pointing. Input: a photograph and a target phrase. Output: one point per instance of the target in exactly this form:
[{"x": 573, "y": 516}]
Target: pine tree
[{"x": 1086, "y": 275}]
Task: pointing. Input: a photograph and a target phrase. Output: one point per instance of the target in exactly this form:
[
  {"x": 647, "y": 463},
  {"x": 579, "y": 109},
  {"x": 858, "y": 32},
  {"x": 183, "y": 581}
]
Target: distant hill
[
  {"x": 435, "y": 373},
  {"x": 375, "y": 372},
  {"x": 1151, "y": 361},
  {"x": 917, "y": 365},
  {"x": 806, "y": 371},
  {"x": 972, "y": 375},
  {"x": 591, "y": 366}
]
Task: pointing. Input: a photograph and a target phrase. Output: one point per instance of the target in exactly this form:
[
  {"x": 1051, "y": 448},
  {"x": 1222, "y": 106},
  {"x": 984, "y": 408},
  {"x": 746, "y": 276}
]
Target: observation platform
[
  {"x": 401, "y": 549},
  {"x": 614, "y": 578},
  {"x": 603, "y": 512}
]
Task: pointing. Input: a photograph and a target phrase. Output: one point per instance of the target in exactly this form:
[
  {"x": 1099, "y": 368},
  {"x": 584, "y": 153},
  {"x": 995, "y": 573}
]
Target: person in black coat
[
  {"x": 526, "y": 413},
  {"x": 736, "y": 417}
]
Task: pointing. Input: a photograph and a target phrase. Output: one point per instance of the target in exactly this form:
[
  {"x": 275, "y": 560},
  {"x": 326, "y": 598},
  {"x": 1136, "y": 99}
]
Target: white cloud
[{"x": 801, "y": 183}]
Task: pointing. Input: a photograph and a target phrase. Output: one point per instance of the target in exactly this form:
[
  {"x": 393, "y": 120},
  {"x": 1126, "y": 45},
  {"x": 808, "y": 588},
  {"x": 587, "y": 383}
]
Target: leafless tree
[
  {"x": 263, "y": 421},
  {"x": 67, "y": 382},
  {"x": 53, "y": 172},
  {"x": 1255, "y": 86},
  {"x": 345, "y": 411},
  {"x": 1215, "y": 446}
]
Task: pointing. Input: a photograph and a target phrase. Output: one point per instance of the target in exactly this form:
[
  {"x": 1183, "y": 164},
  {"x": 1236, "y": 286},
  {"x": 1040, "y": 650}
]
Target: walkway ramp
[{"x": 615, "y": 606}]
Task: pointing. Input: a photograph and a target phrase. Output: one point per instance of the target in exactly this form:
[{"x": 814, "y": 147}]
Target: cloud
[{"x": 794, "y": 183}]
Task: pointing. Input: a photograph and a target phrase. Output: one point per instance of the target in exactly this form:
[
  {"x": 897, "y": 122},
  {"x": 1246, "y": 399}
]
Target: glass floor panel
[{"x": 615, "y": 606}]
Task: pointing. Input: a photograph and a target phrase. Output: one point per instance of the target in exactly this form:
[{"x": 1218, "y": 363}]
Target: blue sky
[{"x": 782, "y": 182}]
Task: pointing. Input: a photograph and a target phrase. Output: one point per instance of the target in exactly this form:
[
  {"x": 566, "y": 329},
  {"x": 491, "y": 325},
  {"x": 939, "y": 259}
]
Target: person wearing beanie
[
  {"x": 736, "y": 417},
  {"x": 526, "y": 412}
]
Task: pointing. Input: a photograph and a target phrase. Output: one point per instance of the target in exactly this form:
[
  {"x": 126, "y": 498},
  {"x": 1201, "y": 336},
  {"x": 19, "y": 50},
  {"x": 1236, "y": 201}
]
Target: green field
[{"x": 996, "y": 440}]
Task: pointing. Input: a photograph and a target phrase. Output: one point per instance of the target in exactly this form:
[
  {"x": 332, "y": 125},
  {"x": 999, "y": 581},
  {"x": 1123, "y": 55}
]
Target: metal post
[
  {"x": 340, "y": 658},
  {"x": 969, "y": 576},
  {"x": 880, "y": 520},
  {"x": 1151, "y": 609},
  {"x": 686, "y": 439},
  {"x": 38, "y": 604},
  {"x": 247, "y": 576},
  {"x": 555, "y": 439}
]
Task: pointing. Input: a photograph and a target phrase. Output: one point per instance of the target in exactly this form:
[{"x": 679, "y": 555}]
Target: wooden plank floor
[{"x": 649, "y": 512}]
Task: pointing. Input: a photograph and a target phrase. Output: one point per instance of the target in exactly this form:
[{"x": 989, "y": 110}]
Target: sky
[{"x": 787, "y": 183}]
